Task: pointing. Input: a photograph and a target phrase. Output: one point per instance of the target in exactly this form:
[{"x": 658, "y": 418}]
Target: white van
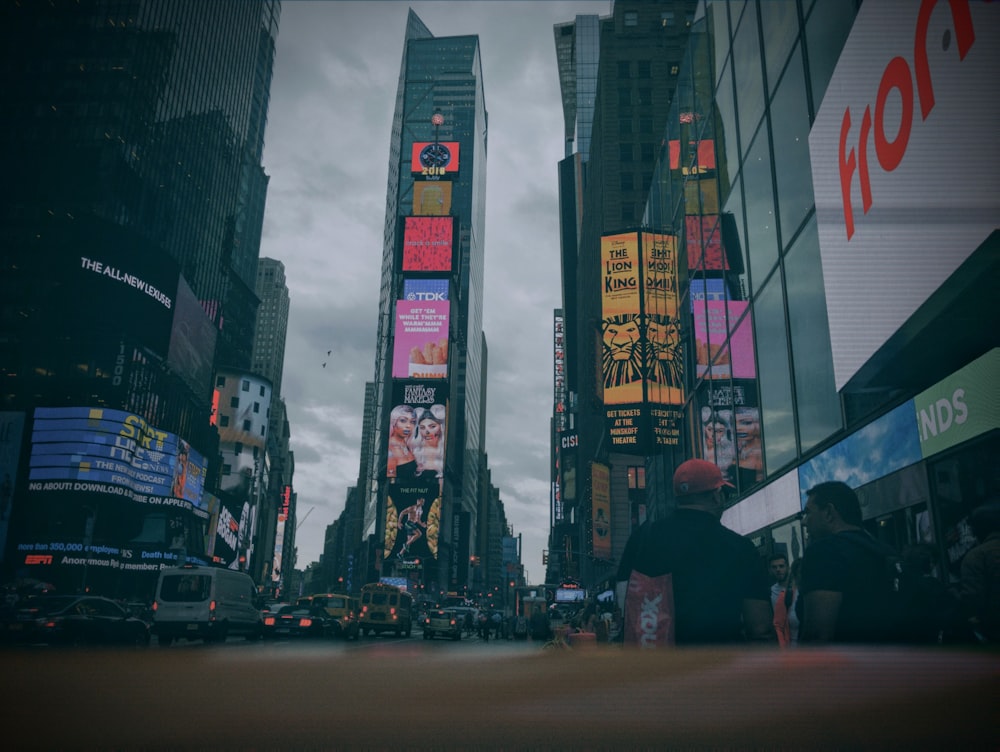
[{"x": 205, "y": 603}]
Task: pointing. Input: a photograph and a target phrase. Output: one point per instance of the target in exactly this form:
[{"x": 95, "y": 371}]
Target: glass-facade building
[
  {"x": 435, "y": 196},
  {"x": 836, "y": 274},
  {"x": 130, "y": 232}
]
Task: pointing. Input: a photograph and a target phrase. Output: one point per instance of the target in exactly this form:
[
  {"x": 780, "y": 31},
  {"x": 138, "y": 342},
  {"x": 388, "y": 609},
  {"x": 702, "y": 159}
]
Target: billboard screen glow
[
  {"x": 427, "y": 244},
  {"x": 420, "y": 350}
]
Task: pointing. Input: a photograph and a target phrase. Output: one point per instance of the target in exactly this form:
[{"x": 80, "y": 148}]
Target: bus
[{"x": 385, "y": 608}]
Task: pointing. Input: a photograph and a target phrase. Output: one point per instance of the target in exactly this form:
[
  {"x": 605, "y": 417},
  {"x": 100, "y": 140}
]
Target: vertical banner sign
[
  {"x": 600, "y": 503},
  {"x": 559, "y": 371},
  {"x": 663, "y": 357},
  {"x": 621, "y": 345}
]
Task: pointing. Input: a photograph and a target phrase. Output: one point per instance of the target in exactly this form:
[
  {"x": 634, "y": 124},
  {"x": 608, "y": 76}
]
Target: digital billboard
[
  {"x": 600, "y": 502},
  {"x": 431, "y": 198},
  {"x": 425, "y": 289},
  {"x": 98, "y": 450},
  {"x": 699, "y": 157},
  {"x": 641, "y": 357},
  {"x": 903, "y": 197},
  {"x": 428, "y": 244},
  {"x": 621, "y": 322},
  {"x": 735, "y": 359},
  {"x": 414, "y": 469},
  {"x": 192, "y": 341},
  {"x": 731, "y": 438},
  {"x": 420, "y": 349},
  {"x": 130, "y": 286},
  {"x": 704, "y": 243},
  {"x": 434, "y": 158}
]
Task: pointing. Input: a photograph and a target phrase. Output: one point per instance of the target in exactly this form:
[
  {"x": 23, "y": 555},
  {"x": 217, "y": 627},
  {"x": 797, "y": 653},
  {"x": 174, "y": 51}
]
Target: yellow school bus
[{"x": 385, "y": 608}]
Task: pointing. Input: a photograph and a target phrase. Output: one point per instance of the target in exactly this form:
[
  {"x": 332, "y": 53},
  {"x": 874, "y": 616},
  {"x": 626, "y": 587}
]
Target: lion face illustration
[
  {"x": 663, "y": 338},
  {"x": 620, "y": 359}
]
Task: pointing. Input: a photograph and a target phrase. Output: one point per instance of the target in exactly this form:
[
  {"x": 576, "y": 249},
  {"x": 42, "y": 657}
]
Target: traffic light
[{"x": 545, "y": 557}]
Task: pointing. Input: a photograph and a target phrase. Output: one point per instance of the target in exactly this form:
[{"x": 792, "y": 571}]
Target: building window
[
  {"x": 246, "y": 385},
  {"x": 628, "y": 212},
  {"x": 645, "y": 96},
  {"x": 674, "y": 70},
  {"x": 647, "y": 153},
  {"x": 223, "y": 421},
  {"x": 645, "y": 125},
  {"x": 227, "y": 469},
  {"x": 637, "y": 476},
  {"x": 645, "y": 68},
  {"x": 238, "y": 448},
  {"x": 667, "y": 19},
  {"x": 625, "y": 126},
  {"x": 234, "y": 401},
  {"x": 256, "y": 407},
  {"x": 262, "y": 390},
  {"x": 624, "y": 152},
  {"x": 220, "y": 381},
  {"x": 247, "y": 425},
  {"x": 624, "y": 69},
  {"x": 627, "y": 182},
  {"x": 624, "y": 97},
  {"x": 631, "y": 18}
]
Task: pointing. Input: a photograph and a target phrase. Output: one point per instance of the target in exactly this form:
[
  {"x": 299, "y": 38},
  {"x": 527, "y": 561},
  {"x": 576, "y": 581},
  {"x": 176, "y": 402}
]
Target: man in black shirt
[
  {"x": 722, "y": 593},
  {"x": 846, "y": 591}
]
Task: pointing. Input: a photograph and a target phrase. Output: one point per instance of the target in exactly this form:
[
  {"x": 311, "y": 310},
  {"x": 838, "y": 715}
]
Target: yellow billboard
[{"x": 621, "y": 358}]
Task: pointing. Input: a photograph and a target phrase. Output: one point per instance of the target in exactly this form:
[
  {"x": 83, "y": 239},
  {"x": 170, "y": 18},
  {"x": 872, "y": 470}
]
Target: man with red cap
[{"x": 721, "y": 590}]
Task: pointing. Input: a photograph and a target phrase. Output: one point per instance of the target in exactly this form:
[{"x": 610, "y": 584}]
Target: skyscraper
[
  {"x": 130, "y": 234},
  {"x": 429, "y": 358},
  {"x": 618, "y": 76}
]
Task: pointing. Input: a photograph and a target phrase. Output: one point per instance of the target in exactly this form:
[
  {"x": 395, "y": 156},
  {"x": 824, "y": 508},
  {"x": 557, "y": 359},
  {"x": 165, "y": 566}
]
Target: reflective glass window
[
  {"x": 762, "y": 237},
  {"x": 790, "y": 134},
  {"x": 818, "y": 405},
  {"x": 726, "y": 145},
  {"x": 773, "y": 378},
  {"x": 736, "y": 242},
  {"x": 827, "y": 28},
  {"x": 748, "y": 75},
  {"x": 780, "y": 26}
]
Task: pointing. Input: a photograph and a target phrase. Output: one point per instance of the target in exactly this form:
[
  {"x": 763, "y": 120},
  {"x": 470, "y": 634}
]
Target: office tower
[
  {"x": 272, "y": 322},
  {"x": 618, "y": 75},
  {"x": 268, "y": 361},
  {"x": 132, "y": 139},
  {"x": 429, "y": 359}
]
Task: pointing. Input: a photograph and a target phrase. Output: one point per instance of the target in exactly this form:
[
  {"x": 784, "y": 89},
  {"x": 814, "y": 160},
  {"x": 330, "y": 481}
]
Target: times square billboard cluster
[
  {"x": 102, "y": 494},
  {"x": 416, "y": 437},
  {"x": 660, "y": 295}
]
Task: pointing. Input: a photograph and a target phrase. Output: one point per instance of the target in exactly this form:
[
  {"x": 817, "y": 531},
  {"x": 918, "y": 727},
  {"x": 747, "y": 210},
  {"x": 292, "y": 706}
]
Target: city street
[{"x": 389, "y": 693}]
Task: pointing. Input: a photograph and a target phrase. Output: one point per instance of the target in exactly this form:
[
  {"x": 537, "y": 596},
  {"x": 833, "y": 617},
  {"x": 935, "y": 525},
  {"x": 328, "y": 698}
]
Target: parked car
[
  {"x": 298, "y": 621},
  {"x": 443, "y": 622},
  {"x": 74, "y": 620}
]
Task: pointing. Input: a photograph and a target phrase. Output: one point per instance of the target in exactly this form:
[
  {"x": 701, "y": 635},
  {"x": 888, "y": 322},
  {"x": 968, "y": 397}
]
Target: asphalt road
[{"x": 390, "y": 694}]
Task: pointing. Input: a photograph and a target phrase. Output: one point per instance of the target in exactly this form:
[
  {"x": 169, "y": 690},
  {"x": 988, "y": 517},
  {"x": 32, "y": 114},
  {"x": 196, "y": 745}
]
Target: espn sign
[
  {"x": 904, "y": 159},
  {"x": 38, "y": 559}
]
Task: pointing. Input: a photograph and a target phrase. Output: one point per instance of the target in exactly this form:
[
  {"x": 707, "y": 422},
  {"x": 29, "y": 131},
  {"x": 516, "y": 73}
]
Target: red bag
[{"x": 649, "y": 611}]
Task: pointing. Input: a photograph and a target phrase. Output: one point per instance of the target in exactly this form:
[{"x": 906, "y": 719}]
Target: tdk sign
[{"x": 424, "y": 296}]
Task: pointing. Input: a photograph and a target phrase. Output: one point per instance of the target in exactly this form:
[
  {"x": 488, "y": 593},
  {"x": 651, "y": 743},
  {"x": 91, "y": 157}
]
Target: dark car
[
  {"x": 298, "y": 621},
  {"x": 74, "y": 620},
  {"x": 443, "y": 622}
]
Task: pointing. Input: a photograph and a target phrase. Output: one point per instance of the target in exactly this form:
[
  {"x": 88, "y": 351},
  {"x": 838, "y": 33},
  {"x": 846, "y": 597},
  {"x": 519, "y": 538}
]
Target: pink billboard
[
  {"x": 735, "y": 360},
  {"x": 421, "y": 346}
]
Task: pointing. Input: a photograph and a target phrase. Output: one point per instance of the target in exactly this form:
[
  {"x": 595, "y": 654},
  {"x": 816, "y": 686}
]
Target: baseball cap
[{"x": 697, "y": 476}]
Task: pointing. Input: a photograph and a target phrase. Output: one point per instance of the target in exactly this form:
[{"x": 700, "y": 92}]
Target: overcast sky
[{"x": 327, "y": 152}]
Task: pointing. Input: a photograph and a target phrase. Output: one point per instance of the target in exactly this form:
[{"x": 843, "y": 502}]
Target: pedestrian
[
  {"x": 930, "y": 607},
  {"x": 979, "y": 587},
  {"x": 784, "y": 598},
  {"x": 720, "y": 584},
  {"x": 847, "y": 594}
]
